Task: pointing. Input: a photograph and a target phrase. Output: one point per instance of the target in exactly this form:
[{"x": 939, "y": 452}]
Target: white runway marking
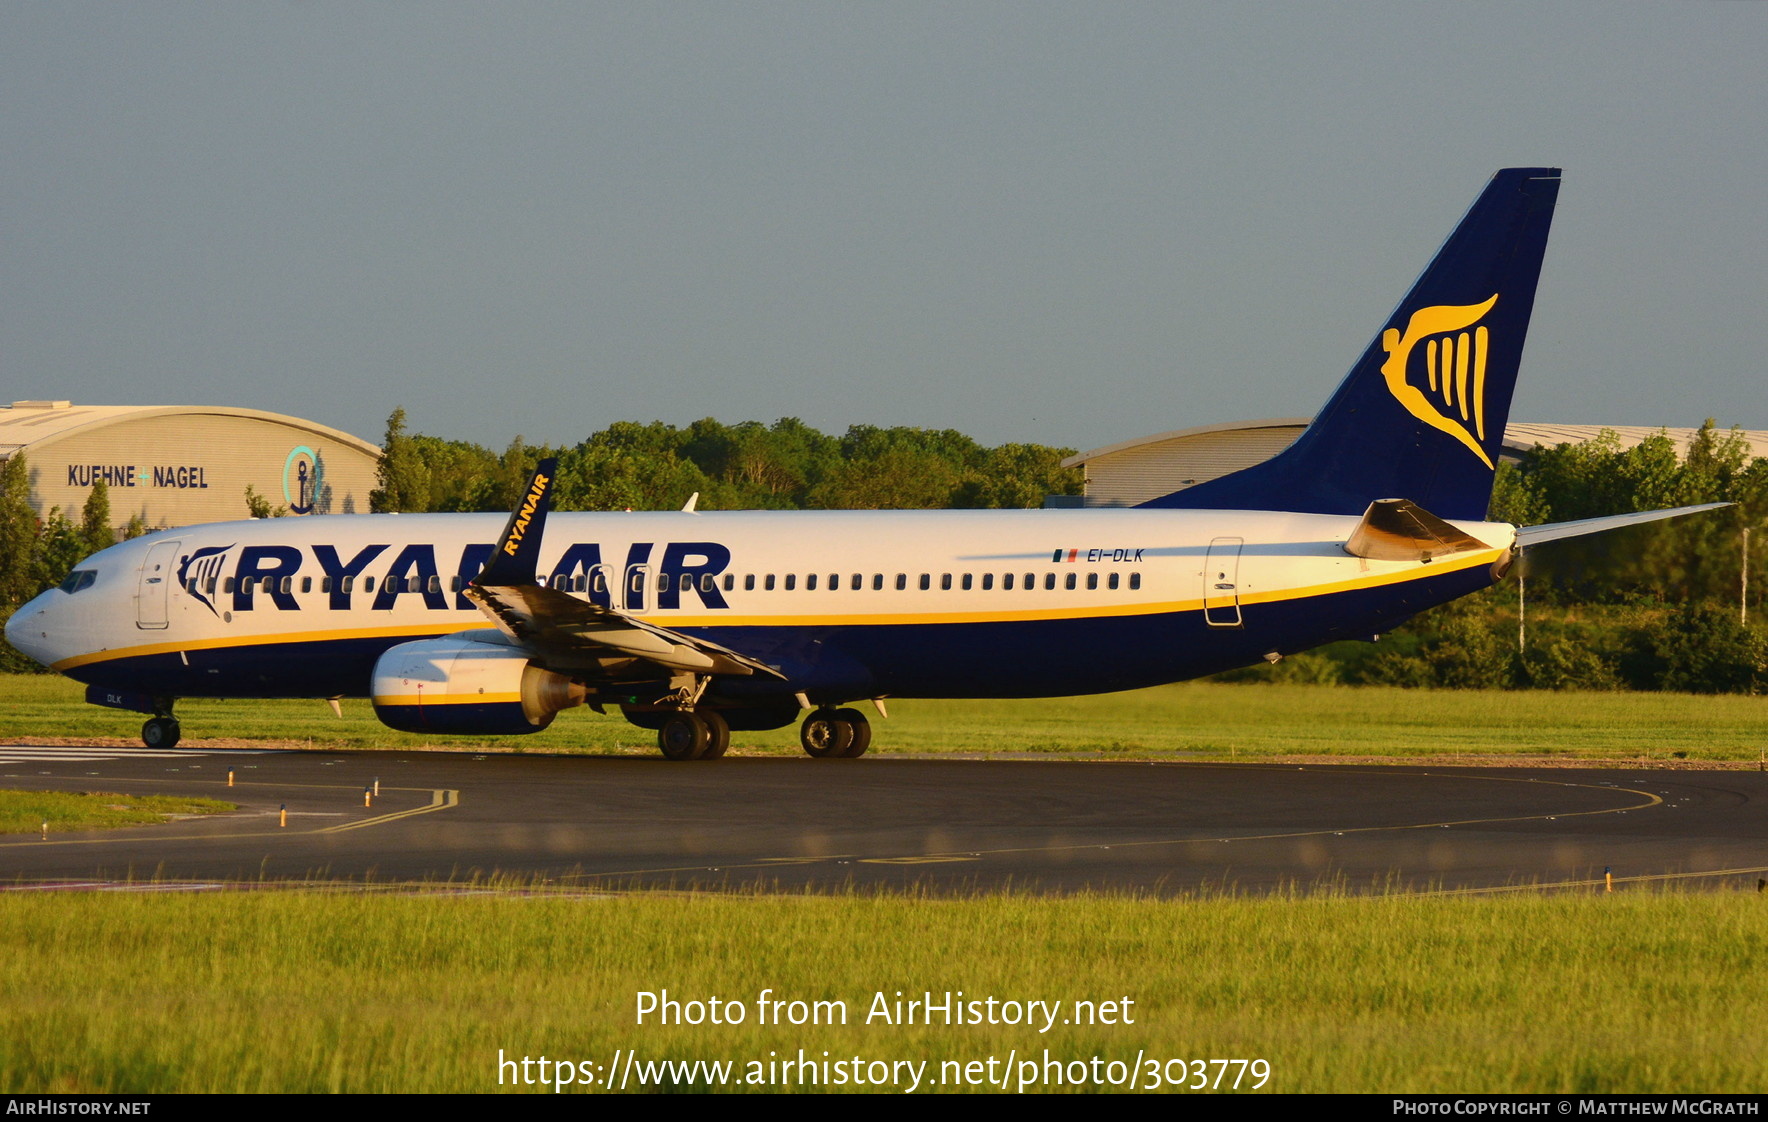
[{"x": 45, "y": 754}]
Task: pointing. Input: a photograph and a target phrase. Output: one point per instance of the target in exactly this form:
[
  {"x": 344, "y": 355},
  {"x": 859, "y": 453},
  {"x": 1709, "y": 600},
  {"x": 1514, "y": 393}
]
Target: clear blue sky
[{"x": 1066, "y": 223}]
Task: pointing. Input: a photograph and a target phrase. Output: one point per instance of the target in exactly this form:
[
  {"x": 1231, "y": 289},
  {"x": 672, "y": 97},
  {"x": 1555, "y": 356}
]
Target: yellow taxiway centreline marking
[{"x": 440, "y": 799}]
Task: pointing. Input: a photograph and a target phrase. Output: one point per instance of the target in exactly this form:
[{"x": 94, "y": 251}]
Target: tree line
[
  {"x": 37, "y": 553},
  {"x": 787, "y": 465}
]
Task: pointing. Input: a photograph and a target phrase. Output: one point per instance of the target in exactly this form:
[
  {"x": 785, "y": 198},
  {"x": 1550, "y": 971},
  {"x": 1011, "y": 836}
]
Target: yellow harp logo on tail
[{"x": 1454, "y": 365}]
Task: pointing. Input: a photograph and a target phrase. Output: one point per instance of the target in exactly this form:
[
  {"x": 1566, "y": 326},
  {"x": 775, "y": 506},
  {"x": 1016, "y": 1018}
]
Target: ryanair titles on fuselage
[{"x": 263, "y": 575}]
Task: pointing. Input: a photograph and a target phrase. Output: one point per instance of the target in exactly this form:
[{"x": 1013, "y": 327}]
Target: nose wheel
[{"x": 160, "y": 732}]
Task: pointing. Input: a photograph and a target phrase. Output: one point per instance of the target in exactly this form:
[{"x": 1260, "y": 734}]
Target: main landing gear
[
  {"x": 694, "y": 735},
  {"x": 835, "y": 734},
  {"x": 703, "y": 734}
]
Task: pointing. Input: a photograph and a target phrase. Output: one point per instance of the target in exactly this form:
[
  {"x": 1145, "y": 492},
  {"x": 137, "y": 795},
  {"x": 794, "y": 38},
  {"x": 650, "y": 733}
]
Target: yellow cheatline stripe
[
  {"x": 440, "y": 698},
  {"x": 825, "y": 619},
  {"x": 439, "y": 800},
  {"x": 420, "y": 630}
]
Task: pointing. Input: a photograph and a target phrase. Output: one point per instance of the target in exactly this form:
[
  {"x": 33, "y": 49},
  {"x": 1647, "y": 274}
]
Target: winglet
[{"x": 513, "y": 561}]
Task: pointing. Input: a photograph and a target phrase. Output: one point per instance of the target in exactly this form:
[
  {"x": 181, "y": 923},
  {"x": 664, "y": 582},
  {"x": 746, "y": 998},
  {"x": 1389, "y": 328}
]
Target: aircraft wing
[
  {"x": 567, "y": 631},
  {"x": 564, "y": 629},
  {"x": 1554, "y": 531}
]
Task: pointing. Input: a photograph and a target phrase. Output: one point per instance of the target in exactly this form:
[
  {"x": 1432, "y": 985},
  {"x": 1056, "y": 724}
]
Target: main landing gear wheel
[
  {"x": 694, "y": 736},
  {"x": 160, "y": 732},
  {"x": 718, "y": 735},
  {"x": 835, "y": 734}
]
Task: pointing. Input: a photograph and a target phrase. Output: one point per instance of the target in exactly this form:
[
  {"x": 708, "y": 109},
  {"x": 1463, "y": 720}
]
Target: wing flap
[{"x": 555, "y": 623}]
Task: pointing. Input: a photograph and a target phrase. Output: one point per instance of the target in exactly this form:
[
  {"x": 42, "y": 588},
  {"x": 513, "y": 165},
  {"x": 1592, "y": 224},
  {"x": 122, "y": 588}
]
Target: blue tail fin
[{"x": 1421, "y": 415}]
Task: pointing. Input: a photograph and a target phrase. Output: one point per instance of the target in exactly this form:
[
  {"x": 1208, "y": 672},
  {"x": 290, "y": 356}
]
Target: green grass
[
  {"x": 27, "y": 812},
  {"x": 307, "y": 991},
  {"x": 1198, "y": 719}
]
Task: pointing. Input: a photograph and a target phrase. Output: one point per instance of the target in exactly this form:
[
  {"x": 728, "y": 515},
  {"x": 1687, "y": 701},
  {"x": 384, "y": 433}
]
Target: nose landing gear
[{"x": 160, "y": 732}]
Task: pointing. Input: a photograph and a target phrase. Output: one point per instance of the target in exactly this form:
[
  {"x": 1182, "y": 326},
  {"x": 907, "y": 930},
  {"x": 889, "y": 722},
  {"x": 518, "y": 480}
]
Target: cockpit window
[{"x": 78, "y": 579}]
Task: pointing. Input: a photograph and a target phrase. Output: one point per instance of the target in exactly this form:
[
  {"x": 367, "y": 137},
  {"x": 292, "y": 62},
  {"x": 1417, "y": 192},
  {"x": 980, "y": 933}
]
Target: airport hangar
[
  {"x": 175, "y": 465},
  {"x": 1134, "y": 471}
]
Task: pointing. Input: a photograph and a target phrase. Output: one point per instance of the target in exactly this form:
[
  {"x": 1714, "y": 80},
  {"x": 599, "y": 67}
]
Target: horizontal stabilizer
[
  {"x": 1554, "y": 531},
  {"x": 1401, "y": 530}
]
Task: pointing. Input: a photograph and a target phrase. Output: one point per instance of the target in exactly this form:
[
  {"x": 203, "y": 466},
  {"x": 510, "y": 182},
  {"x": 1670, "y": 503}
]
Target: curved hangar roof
[
  {"x": 175, "y": 465},
  {"x": 1134, "y": 471}
]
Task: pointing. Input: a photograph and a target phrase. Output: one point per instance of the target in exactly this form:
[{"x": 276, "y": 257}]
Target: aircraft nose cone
[{"x": 29, "y": 632}]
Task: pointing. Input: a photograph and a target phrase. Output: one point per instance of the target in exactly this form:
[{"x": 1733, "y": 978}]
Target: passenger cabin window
[
  {"x": 809, "y": 583},
  {"x": 367, "y": 584},
  {"x": 987, "y": 581},
  {"x": 926, "y": 581},
  {"x": 730, "y": 582},
  {"x": 902, "y": 581},
  {"x": 945, "y": 582},
  {"x": 1069, "y": 583},
  {"x": 1006, "y": 582},
  {"x": 877, "y": 582},
  {"x": 1135, "y": 581},
  {"x": 1112, "y": 582},
  {"x": 1049, "y": 581},
  {"x": 768, "y": 584},
  {"x": 791, "y": 581},
  {"x": 1092, "y": 581}
]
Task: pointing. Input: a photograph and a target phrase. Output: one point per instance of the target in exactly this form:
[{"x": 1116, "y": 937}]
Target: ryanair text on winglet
[{"x": 529, "y": 504}]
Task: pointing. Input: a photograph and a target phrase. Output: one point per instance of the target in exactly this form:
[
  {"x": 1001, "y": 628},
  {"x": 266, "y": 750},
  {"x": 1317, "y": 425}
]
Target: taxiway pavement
[{"x": 945, "y": 825}]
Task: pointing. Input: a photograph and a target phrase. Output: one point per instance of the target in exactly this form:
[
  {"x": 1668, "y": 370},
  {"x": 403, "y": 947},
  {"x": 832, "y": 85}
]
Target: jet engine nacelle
[{"x": 457, "y": 685}]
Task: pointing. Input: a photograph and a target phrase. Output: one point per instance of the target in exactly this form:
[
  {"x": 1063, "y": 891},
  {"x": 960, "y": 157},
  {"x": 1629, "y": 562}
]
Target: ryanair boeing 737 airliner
[{"x": 696, "y": 623}]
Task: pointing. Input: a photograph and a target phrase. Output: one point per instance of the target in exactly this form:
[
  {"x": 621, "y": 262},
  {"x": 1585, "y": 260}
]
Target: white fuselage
[{"x": 859, "y": 603}]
